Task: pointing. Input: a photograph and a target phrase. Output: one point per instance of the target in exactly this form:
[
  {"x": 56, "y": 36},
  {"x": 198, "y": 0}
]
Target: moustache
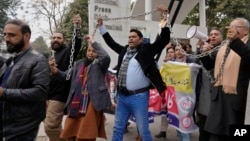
[
  {"x": 9, "y": 44},
  {"x": 55, "y": 43}
]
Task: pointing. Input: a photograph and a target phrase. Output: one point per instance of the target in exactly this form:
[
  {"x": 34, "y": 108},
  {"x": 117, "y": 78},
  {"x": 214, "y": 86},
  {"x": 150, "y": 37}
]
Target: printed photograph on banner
[{"x": 111, "y": 82}]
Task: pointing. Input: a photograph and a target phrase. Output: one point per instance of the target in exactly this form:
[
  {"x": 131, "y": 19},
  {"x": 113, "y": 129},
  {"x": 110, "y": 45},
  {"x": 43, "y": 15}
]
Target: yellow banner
[{"x": 178, "y": 76}]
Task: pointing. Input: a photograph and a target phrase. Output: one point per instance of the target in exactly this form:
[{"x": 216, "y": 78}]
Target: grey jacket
[
  {"x": 2, "y": 65},
  {"x": 97, "y": 89},
  {"x": 24, "y": 98}
]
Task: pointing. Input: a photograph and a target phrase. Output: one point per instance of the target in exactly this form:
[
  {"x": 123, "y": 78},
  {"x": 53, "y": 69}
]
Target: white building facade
[{"x": 149, "y": 25}]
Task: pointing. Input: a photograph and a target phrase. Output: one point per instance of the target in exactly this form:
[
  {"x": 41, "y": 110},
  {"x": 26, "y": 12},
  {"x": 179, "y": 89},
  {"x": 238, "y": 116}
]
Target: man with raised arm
[
  {"x": 58, "y": 90},
  {"x": 136, "y": 70}
]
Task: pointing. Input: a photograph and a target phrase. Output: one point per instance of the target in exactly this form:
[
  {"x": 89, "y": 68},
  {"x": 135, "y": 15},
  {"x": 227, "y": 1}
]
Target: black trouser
[
  {"x": 214, "y": 137},
  {"x": 28, "y": 136},
  {"x": 204, "y": 135},
  {"x": 1, "y": 121}
]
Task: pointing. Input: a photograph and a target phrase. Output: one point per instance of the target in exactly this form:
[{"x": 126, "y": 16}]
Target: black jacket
[
  {"x": 231, "y": 107},
  {"x": 24, "y": 98},
  {"x": 145, "y": 56}
]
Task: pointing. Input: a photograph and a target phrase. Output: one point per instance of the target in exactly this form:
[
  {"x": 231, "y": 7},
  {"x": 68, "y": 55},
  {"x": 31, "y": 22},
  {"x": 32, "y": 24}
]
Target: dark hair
[
  {"x": 59, "y": 31},
  {"x": 171, "y": 43},
  {"x": 218, "y": 29},
  {"x": 189, "y": 45},
  {"x": 183, "y": 46},
  {"x": 172, "y": 47},
  {"x": 137, "y": 32},
  {"x": 24, "y": 26}
]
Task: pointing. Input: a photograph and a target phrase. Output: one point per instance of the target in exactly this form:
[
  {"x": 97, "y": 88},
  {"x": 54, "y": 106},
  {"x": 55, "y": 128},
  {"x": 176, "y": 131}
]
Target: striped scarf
[
  {"x": 122, "y": 75},
  {"x": 80, "y": 99}
]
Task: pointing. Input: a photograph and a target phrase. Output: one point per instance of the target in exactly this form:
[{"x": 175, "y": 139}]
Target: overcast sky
[{"x": 37, "y": 26}]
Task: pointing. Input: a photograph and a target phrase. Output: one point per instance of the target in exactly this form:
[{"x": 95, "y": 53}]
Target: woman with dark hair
[
  {"x": 170, "y": 54},
  {"x": 180, "y": 55},
  {"x": 88, "y": 95}
]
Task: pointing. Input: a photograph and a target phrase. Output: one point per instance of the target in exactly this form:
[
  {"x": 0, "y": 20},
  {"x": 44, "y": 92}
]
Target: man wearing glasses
[{"x": 231, "y": 72}]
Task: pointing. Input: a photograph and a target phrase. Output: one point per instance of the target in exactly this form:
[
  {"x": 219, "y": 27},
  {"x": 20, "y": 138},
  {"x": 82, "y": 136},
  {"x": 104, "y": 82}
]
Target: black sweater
[{"x": 58, "y": 90}]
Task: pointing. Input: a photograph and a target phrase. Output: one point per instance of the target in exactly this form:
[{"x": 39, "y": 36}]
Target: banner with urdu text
[{"x": 181, "y": 96}]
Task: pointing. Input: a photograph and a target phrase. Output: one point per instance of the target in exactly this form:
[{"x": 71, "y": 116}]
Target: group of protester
[
  {"x": 34, "y": 89},
  {"x": 223, "y": 83}
]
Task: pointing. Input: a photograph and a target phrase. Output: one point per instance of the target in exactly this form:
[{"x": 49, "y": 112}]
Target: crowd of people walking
[{"x": 37, "y": 89}]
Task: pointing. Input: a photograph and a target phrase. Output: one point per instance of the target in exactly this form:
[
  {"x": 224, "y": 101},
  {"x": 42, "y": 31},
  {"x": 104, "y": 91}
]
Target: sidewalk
[
  {"x": 154, "y": 127},
  {"x": 131, "y": 135}
]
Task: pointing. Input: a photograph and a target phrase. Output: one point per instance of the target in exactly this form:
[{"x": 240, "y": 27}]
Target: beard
[
  {"x": 11, "y": 48},
  {"x": 57, "y": 46}
]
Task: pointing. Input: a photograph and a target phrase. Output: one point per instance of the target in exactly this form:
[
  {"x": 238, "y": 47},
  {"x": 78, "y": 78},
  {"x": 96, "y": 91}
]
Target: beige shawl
[{"x": 229, "y": 77}]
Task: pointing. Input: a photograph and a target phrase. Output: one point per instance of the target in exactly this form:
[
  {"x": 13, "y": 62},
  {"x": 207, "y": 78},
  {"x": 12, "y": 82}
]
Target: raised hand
[
  {"x": 206, "y": 48},
  {"x": 77, "y": 20},
  {"x": 99, "y": 21},
  {"x": 163, "y": 14},
  {"x": 163, "y": 11},
  {"x": 232, "y": 32},
  {"x": 90, "y": 38}
]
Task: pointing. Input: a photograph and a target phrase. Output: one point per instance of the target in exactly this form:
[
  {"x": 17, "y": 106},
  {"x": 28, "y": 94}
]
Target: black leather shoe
[{"x": 162, "y": 134}]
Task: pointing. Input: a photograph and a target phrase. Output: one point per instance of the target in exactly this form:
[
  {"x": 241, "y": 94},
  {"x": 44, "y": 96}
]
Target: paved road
[
  {"x": 131, "y": 135},
  {"x": 247, "y": 117},
  {"x": 154, "y": 127}
]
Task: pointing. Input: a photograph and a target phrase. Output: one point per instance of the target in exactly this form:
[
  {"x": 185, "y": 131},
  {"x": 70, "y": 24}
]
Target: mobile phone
[{"x": 53, "y": 53}]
